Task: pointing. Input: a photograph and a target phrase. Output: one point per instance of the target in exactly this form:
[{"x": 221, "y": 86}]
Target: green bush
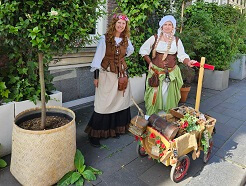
[
  {"x": 50, "y": 27},
  {"x": 215, "y": 32}
]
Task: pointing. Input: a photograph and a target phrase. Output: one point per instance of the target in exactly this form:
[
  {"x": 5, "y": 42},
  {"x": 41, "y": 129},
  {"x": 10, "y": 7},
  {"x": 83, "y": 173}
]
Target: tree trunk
[
  {"x": 42, "y": 84},
  {"x": 182, "y": 17}
]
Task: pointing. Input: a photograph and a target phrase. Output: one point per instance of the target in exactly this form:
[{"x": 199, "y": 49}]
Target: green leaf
[
  {"x": 88, "y": 175},
  {"x": 80, "y": 182},
  {"x": 66, "y": 179},
  {"x": 2, "y": 163},
  {"x": 66, "y": 36},
  {"x": 36, "y": 30},
  {"x": 75, "y": 177},
  {"x": 2, "y": 85},
  {"x": 79, "y": 161},
  {"x": 95, "y": 171}
]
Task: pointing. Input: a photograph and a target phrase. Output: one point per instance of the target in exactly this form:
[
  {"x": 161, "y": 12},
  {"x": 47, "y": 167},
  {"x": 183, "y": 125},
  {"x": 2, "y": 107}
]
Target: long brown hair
[{"x": 111, "y": 29}]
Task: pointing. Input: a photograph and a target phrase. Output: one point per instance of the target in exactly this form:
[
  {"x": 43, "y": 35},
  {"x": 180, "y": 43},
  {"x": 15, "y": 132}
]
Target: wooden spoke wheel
[
  {"x": 179, "y": 170},
  {"x": 141, "y": 151},
  {"x": 207, "y": 155}
]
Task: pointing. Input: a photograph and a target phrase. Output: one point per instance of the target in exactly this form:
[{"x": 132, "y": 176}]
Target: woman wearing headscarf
[
  {"x": 111, "y": 116},
  {"x": 164, "y": 79}
]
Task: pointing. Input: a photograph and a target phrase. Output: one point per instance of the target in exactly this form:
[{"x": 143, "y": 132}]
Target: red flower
[
  {"x": 141, "y": 139},
  {"x": 161, "y": 154},
  {"x": 158, "y": 141},
  {"x": 185, "y": 125},
  {"x": 152, "y": 135},
  {"x": 163, "y": 146},
  {"x": 136, "y": 138}
]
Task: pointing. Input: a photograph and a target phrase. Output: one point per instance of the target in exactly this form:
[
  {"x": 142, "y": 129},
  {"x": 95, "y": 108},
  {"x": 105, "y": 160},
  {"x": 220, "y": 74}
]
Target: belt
[{"x": 162, "y": 72}]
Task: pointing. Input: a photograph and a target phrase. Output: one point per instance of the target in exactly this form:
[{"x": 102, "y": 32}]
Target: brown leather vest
[
  {"x": 170, "y": 60},
  {"x": 114, "y": 57}
]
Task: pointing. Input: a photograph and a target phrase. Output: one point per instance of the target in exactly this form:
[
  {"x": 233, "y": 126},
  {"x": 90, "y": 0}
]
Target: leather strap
[
  {"x": 162, "y": 72},
  {"x": 147, "y": 59}
]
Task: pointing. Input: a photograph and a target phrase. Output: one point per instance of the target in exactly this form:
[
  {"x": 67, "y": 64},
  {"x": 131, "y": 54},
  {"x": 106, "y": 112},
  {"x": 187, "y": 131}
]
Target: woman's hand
[
  {"x": 150, "y": 65},
  {"x": 96, "y": 82},
  {"x": 191, "y": 63}
]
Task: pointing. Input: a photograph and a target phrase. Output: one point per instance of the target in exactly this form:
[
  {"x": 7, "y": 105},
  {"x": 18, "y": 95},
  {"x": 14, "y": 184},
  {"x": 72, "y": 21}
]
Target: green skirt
[{"x": 173, "y": 92}]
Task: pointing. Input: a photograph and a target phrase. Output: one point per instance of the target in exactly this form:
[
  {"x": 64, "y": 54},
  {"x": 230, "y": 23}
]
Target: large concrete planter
[
  {"x": 55, "y": 100},
  {"x": 138, "y": 88},
  {"x": 216, "y": 80},
  {"x": 43, "y": 157},
  {"x": 6, "y": 126},
  {"x": 238, "y": 68}
]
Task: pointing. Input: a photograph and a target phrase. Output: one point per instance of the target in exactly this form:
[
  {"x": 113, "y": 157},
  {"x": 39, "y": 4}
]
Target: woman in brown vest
[
  {"x": 164, "y": 79},
  {"x": 111, "y": 115}
]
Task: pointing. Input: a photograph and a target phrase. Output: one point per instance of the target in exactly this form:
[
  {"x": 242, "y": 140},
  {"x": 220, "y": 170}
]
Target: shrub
[{"x": 215, "y": 32}]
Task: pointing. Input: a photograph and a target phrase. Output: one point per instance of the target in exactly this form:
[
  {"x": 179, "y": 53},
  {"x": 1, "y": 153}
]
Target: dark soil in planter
[{"x": 53, "y": 120}]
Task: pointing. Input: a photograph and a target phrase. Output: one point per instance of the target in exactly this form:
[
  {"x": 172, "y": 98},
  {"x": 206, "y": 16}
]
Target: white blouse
[
  {"x": 101, "y": 50},
  {"x": 162, "y": 48}
]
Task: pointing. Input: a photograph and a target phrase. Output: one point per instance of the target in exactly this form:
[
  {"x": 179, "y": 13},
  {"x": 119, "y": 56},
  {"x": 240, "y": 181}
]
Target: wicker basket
[{"x": 43, "y": 157}]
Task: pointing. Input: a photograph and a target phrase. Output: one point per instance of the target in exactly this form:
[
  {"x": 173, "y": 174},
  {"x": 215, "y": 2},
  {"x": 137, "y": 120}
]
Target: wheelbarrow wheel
[
  {"x": 141, "y": 151},
  {"x": 179, "y": 170},
  {"x": 207, "y": 155}
]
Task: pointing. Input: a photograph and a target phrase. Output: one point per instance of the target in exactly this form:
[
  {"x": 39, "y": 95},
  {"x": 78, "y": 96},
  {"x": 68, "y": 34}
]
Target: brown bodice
[
  {"x": 114, "y": 56},
  {"x": 169, "y": 62}
]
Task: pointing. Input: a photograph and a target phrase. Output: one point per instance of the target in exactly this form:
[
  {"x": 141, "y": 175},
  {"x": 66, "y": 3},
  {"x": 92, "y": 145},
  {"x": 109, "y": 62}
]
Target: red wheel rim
[
  {"x": 181, "y": 169},
  {"x": 142, "y": 150}
]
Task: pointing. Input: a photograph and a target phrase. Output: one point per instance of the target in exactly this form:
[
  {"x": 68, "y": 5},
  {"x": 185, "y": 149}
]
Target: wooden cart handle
[{"x": 140, "y": 110}]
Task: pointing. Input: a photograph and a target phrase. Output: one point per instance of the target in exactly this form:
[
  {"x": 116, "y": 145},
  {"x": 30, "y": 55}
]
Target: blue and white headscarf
[{"x": 165, "y": 19}]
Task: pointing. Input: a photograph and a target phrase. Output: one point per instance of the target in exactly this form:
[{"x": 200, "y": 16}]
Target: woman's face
[
  {"x": 167, "y": 27},
  {"x": 120, "y": 25}
]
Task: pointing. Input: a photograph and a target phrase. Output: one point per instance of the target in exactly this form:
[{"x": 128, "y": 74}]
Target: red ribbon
[{"x": 210, "y": 67}]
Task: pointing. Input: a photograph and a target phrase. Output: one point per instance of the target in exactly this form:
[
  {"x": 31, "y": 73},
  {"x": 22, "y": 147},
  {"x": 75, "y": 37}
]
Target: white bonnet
[{"x": 165, "y": 19}]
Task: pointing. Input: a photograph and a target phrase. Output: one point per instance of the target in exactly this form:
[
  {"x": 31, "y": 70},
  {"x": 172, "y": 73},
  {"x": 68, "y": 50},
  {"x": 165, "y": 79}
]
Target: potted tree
[
  {"x": 213, "y": 31},
  {"x": 43, "y": 153}
]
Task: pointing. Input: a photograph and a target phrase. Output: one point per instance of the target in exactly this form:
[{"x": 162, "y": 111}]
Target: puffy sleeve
[
  {"x": 147, "y": 46},
  {"x": 99, "y": 55},
  {"x": 181, "y": 52},
  {"x": 130, "y": 49}
]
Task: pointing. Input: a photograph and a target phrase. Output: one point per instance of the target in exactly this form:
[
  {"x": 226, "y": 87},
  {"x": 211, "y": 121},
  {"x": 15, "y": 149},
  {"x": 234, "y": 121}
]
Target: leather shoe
[{"x": 95, "y": 142}]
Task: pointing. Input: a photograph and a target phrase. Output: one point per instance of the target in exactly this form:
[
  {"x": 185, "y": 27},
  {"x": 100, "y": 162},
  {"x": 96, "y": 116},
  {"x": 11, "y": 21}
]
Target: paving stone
[
  {"x": 125, "y": 155},
  {"x": 233, "y": 122},
  {"x": 107, "y": 166},
  {"x": 122, "y": 178},
  {"x": 7, "y": 179},
  {"x": 219, "y": 109},
  {"x": 235, "y": 114},
  {"x": 235, "y": 106},
  {"x": 142, "y": 164},
  {"x": 219, "y": 172},
  {"x": 234, "y": 152},
  {"x": 159, "y": 174},
  {"x": 218, "y": 142},
  {"x": 219, "y": 117},
  {"x": 225, "y": 130}
]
